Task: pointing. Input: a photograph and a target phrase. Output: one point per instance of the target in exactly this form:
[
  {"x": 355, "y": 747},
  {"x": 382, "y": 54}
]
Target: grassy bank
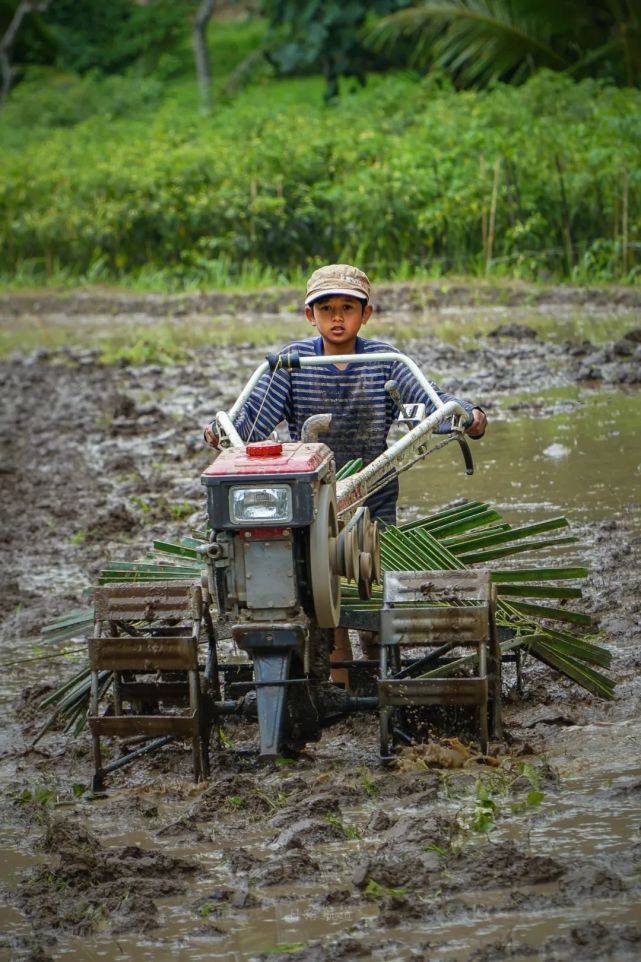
[{"x": 123, "y": 181}]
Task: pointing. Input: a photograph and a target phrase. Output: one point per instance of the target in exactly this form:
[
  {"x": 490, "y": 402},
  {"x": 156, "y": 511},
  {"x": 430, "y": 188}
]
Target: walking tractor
[
  {"x": 290, "y": 555},
  {"x": 285, "y": 532}
]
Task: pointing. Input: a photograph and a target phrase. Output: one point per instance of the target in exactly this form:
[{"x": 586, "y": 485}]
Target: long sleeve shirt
[{"x": 362, "y": 410}]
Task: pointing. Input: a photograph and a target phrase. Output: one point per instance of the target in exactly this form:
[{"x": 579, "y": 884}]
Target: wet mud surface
[
  {"x": 329, "y": 856},
  {"x": 413, "y": 296}
]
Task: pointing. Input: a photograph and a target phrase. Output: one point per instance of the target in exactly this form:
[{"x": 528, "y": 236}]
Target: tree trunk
[
  {"x": 203, "y": 71},
  {"x": 330, "y": 74},
  {"x": 9, "y": 38},
  {"x": 565, "y": 218}
]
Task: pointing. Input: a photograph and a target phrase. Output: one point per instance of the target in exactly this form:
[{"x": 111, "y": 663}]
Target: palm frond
[
  {"x": 506, "y": 534},
  {"x": 478, "y": 40},
  {"x": 74, "y": 624},
  {"x": 416, "y": 546},
  {"x": 440, "y": 541}
]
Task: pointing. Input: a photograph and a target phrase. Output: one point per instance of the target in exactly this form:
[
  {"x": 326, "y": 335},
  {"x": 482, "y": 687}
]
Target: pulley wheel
[
  {"x": 326, "y": 585},
  {"x": 365, "y": 575},
  {"x": 373, "y": 546},
  {"x": 368, "y": 542},
  {"x": 346, "y": 563}
]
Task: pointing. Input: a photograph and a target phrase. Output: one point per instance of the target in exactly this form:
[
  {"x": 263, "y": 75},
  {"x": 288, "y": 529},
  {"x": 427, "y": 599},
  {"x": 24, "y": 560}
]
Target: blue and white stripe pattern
[{"x": 362, "y": 410}]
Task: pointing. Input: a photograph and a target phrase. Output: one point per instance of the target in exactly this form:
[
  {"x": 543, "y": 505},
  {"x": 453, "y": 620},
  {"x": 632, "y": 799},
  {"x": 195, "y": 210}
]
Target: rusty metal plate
[
  {"x": 152, "y": 725},
  {"x": 411, "y": 587},
  {"x": 435, "y": 626},
  {"x": 433, "y": 691},
  {"x": 143, "y": 654},
  {"x": 149, "y": 602}
]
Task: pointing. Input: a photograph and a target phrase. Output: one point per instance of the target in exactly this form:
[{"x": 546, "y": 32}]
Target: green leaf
[
  {"x": 466, "y": 545},
  {"x": 440, "y": 517},
  {"x": 538, "y": 591},
  {"x": 579, "y": 647},
  {"x": 557, "y": 614},
  {"x": 349, "y": 468},
  {"x": 538, "y": 574},
  {"x": 587, "y": 678},
  {"x": 455, "y": 522},
  {"x": 179, "y": 550},
  {"x": 482, "y": 557}
]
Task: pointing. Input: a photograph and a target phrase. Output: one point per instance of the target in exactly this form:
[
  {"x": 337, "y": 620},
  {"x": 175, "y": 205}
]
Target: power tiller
[{"x": 284, "y": 532}]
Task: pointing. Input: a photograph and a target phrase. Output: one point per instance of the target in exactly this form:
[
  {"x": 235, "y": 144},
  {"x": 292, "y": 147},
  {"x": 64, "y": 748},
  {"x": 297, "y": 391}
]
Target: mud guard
[
  {"x": 270, "y": 668},
  {"x": 270, "y": 648}
]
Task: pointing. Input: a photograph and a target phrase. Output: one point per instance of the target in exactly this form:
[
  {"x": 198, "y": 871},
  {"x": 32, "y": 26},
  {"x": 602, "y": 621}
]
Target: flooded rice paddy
[
  {"x": 331, "y": 856},
  {"x": 578, "y": 454}
]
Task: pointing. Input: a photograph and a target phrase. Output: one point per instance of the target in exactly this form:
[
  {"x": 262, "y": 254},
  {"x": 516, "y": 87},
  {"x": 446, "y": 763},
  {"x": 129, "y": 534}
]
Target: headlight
[{"x": 263, "y": 505}]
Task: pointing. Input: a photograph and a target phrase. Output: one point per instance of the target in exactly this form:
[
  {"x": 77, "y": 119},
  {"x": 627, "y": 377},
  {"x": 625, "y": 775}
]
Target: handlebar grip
[{"x": 289, "y": 360}]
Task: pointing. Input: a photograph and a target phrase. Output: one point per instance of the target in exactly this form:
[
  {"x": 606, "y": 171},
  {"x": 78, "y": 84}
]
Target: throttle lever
[{"x": 391, "y": 387}]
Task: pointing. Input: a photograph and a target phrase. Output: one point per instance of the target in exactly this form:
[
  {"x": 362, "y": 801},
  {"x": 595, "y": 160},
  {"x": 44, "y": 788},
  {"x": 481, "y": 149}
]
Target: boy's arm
[
  {"x": 477, "y": 428},
  {"x": 412, "y": 393},
  {"x": 267, "y": 406}
]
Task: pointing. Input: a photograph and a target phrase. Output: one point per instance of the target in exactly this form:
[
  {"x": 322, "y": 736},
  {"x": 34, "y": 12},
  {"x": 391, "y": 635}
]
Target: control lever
[
  {"x": 392, "y": 389},
  {"x": 467, "y": 454}
]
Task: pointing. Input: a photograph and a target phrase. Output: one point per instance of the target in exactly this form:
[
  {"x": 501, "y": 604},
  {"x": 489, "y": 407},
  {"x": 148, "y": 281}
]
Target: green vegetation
[
  {"x": 481, "y": 814},
  {"x": 120, "y": 179},
  {"x": 79, "y": 537},
  {"x": 235, "y": 801},
  {"x": 44, "y": 797},
  {"x": 350, "y": 832},
  {"x": 373, "y": 890},
  {"x": 168, "y": 342},
  {"x": 479, "y": 41},
  {"x": 322, "y": 35},
  {"x": 102, "y": 36}
]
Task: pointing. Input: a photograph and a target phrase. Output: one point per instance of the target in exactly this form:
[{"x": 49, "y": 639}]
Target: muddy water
[
  {"x": 282, "y": 855},
  {"x": 578, "y": 455}
]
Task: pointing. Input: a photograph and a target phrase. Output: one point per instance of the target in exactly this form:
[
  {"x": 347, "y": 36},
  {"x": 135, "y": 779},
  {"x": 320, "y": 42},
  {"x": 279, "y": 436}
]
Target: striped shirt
[{"x": 362, "y": 410}]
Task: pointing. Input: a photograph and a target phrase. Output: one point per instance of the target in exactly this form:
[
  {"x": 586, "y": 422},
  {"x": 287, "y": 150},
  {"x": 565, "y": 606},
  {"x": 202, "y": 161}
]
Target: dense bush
[
  {"x": 94, "y": 35},
  {"x": 401, "y": 177},
  {"x": 46, "y": 99}
]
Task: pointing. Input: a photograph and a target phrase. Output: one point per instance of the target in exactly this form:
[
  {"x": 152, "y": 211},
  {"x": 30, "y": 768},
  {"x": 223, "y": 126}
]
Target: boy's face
[{"x": 338, "y": 319}]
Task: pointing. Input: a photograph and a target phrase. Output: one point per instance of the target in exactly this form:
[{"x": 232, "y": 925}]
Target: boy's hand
[
  {"x": 210, "y": 437},
  {"x": 477, "y": 428}
]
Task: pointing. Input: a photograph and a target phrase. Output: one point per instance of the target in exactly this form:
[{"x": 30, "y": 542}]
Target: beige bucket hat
[{"x": 337, "y": 279}]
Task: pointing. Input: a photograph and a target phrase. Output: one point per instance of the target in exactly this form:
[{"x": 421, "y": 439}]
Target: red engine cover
[{"x": 294, "y": 458}]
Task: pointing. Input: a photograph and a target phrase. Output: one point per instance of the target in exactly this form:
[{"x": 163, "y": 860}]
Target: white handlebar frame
[
  {"x": 320, "y": 360},
  {"x": 353, "y": 490}
]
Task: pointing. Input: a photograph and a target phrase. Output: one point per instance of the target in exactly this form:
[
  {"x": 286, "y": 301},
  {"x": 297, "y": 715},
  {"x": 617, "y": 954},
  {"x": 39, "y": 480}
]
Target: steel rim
[{"x": 326, "y": 585}]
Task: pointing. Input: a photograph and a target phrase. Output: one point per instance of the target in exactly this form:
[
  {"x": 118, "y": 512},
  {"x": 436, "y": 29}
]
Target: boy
[{"x": 337, "y": 305}]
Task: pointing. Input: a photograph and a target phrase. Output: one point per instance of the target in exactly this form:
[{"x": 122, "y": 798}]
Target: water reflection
[{"x": 582, "y": 459}]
